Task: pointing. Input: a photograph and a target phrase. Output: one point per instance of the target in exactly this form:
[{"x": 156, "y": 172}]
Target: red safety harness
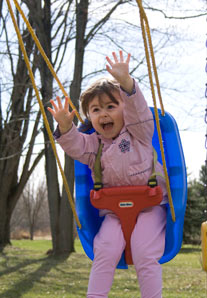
[{"x": 125, "y": 201}]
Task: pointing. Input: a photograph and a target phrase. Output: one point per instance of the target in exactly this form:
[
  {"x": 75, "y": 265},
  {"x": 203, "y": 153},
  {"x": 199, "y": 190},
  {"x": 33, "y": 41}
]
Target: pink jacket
[{"x": 126, "y": 160}]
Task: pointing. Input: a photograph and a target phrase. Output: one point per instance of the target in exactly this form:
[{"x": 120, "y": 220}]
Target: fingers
[
  {"x": 51, "y": 111},
  {"x": 128, "y": 58},
  {"x": 58, "y": 107},
  {"x": 121, "y": 56},
  {"x": 72, "y": 115},
  {"x": 54, "y": 105},
  {"x": 116, "y": 59},
  {"x": 59, "y": 102},
  {"x": 66, "y": 105},
  {"x": 109, "y": 61}
]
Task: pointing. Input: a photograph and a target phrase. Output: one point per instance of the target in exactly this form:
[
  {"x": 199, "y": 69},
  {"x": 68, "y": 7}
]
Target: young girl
[{"x": 124, "y": 124}]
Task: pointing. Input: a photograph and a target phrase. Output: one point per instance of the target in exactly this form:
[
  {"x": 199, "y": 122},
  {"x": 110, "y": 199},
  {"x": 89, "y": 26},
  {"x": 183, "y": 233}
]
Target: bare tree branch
[
  {"x": 201, "y": 14},
  {"x": 99, "y": 24}
]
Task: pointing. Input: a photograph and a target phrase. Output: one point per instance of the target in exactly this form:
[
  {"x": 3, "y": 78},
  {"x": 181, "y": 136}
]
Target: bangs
[
  {"x": 109, "y": 94},
  {"x": 99, "y": 88}
]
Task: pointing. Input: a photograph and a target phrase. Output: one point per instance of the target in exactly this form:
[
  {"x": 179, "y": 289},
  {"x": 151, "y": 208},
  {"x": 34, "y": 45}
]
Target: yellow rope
[
  {"x": 43, "y": 112},
  {"x": 46, "y": 58},
  {"x": 145, "y": 27}
]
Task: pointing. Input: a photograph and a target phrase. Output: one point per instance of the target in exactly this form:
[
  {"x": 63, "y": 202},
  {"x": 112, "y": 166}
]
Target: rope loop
[{"x": 149, "y": 53}]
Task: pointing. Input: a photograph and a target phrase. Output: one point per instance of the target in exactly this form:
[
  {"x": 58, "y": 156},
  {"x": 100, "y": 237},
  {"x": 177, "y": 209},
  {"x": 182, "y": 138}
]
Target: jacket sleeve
[
  {"x": 138, "y": 117},
  {"x": 79, "y": 146}
]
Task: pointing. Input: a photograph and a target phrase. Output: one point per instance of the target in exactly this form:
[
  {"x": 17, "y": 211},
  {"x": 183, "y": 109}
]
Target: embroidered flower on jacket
[{"x": 124, "y": 146}]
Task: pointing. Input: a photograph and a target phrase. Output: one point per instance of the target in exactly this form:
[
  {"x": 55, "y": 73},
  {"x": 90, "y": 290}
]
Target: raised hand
[
  {"x": 119, "y": 69},
  {"x": 61, "y": 114}
]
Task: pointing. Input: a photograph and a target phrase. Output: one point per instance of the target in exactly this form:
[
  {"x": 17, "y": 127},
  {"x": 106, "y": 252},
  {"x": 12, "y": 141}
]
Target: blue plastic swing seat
[{"x": 89, "y": 216}]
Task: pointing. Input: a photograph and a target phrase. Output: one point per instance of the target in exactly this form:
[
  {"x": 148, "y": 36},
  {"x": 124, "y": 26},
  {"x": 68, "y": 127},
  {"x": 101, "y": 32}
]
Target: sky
[
  {"x": 192, "y": 126},
  {"x": 194, "y": 151},
  {"x": 190, "y": 112}
]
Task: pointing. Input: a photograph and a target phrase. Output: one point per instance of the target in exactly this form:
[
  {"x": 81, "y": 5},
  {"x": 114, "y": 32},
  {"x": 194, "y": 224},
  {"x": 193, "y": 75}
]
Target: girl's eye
[
  {"x": 111, "y": 107},
  {"x": 95, "y": 110}
]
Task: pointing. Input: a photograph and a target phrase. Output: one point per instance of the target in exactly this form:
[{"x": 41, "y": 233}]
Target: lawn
[{"x": 27, "y": 272}]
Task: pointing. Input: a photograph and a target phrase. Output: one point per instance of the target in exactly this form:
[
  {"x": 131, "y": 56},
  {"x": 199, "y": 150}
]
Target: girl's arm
[
  {"x": 138, "y": 118},
  {"x": 137, "y": 115},
  {"x": 77, "y": 145},
  {"x": 80, "y": 146}
]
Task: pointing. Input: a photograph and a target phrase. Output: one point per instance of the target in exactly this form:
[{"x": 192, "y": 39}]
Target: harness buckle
[
  {"x": 152, "y": 182},
  {"x": 97, "y": 185}
]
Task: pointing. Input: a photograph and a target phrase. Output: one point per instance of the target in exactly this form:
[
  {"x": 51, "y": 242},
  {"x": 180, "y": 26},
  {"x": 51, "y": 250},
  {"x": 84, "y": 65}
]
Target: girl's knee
[
  {"x": 139, "y": 255},
  {"x": 109, "y": 243},
  {"x": 143, "y": 253},
  {"x": 148, "y": 241}
]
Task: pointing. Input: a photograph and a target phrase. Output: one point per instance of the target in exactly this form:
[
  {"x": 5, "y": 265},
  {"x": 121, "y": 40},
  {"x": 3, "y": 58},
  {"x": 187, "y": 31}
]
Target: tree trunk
[
  {"x": 66, "y": 215},
  {"x": 31, "y": 231},
  {"x": 43, "y": 28},
  {"x": 12, "y": 136},
  {"x": 75, "y": 89},
  {"x": 5, "y": 228}
]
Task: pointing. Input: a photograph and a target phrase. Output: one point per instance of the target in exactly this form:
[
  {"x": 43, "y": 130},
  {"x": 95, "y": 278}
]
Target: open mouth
[{"x": 107, "y": 126}]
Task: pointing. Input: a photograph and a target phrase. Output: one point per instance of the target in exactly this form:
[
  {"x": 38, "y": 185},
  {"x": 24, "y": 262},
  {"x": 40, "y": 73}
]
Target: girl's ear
[{"x": 88, "y": 117}]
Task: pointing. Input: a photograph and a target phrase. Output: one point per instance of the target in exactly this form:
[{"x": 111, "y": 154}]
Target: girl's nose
[{"x": 104, "y": 113}]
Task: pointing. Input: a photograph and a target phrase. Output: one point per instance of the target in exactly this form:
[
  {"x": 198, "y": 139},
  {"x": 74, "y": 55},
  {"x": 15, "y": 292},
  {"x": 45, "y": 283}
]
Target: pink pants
[{"x": 147, "y": 246}]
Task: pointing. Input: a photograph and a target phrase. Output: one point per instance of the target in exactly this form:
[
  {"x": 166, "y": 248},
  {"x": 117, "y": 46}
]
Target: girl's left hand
[
  {"x": 62, "y": 114},
  {"x": 120, "y": 70}
]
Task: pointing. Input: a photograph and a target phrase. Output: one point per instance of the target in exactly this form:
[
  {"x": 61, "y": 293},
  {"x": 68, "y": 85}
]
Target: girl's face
[{"x": 107, "y": 116}]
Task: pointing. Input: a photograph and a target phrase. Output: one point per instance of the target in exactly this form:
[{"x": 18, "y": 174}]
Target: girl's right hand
[
  {"x": 119, "y": 69},
  {"x": 62, "y": 114}
]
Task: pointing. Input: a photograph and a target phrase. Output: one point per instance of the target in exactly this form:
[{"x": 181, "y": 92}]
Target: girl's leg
[
  {"x": 109, "y": 244},
  {"x": 147, "y": 245}
]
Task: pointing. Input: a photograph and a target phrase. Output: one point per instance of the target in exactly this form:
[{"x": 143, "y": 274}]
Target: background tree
[
  {"x": 31, "y": 213},
  {"x": 33, "y": 199},
  {"x": 196, "y": 210},
  {"x": 14, "y": 127}
]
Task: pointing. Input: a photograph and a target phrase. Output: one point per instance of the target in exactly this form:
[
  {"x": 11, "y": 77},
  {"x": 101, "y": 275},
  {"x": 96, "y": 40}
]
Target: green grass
[{"x": 27, "y": 272}]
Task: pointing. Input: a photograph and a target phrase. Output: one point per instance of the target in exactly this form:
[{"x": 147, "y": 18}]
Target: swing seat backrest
[{"x": 89, "y": 216}]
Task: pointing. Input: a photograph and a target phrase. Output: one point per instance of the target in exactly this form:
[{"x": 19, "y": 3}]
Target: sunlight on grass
[
  {"x": 27, "y": 272},
  {"x": 37, "y": 245},
  {"x": 41, "y": 245}
]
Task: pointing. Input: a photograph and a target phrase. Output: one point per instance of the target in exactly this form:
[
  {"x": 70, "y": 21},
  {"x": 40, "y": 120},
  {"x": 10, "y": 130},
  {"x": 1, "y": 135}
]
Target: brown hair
[{"x": 98, "y": 88}]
